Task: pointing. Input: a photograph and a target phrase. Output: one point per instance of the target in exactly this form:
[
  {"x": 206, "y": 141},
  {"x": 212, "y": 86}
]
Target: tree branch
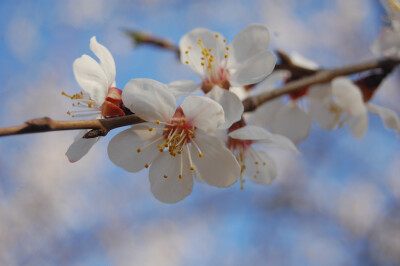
[
  {"x": 100, "y": 127},
  {"x": 321, "y": 76}
]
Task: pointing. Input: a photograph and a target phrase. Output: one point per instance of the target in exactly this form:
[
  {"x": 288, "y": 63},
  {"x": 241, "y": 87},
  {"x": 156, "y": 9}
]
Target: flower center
[
  {"x": 214, "y": 67},
  {"x": 85, "y": 106},
  {"x": 177, "y": 134}
]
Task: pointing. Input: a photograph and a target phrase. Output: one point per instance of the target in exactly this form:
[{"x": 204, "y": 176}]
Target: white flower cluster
[{"x": 206, "y": 137}]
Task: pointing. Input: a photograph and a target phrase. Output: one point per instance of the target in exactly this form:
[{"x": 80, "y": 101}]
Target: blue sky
[{"x": 329, "y": 205}]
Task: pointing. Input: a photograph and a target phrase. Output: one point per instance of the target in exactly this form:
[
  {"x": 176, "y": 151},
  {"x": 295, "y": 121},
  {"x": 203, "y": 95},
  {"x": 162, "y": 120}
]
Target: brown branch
[
  {"x": 100, "y": 127},
  {"x": 322, "y": 76}
]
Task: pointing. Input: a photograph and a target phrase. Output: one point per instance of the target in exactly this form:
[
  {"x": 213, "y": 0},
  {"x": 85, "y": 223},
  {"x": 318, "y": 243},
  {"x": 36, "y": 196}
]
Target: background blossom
[{"x": 93, "y": 213}]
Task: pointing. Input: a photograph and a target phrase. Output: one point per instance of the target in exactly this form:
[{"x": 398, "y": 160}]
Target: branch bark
[{"x": 100, "y": 127}]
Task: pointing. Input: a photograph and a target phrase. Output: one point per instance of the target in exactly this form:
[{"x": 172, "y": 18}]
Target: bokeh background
[{"x": 335, "y": 204}]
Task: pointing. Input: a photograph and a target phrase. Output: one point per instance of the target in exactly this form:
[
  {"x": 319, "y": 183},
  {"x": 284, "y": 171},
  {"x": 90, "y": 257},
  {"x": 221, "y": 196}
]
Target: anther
[
  {"x": 264, "y": 163},
  {"x": 192, "y": 168},
  {"x": 150, "y": 129},
  {"x": 146, "y": 165},
  {"x": 161, "y": 150},
  {"x": 158, "y": 122},
  {"x": 227, "y": 48},
  {"x": 256, "y": 163},
  {"x": 187, "y": 62},
  {"x": 201, "y": 155},
  {"x": 165, "y": 176},
  {"x": 180, "y": 176},
  {"x": 216, "y": 35},
  {"x": 226, "y": 56},
  {"x": 186, "y": 52},
  {"x": 138, "y": 150}
]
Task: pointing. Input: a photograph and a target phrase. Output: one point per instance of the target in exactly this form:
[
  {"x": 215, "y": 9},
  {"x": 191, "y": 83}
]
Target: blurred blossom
[
  {"x": 22, "y": 37},
  {"x": 84, "y": 13},
  {"x": 360, "y": 204}
]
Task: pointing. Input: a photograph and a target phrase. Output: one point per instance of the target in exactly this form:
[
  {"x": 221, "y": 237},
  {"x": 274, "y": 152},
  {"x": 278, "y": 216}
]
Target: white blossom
[
  {"x": 176, "y": 143},
  {"x": 256, "y": 165},
  {"x": 99, "y": 99}
]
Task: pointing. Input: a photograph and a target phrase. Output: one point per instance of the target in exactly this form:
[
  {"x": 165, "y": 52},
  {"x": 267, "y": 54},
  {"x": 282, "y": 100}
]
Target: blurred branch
[
  {"x": 139, "y": 38},
  {"x": 321, "y": 76},
  {"x": 100, "y": 127}
]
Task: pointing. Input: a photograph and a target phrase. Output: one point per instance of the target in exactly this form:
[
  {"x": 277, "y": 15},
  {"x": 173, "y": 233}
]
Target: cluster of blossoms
[{"x": 206, "y": 138}]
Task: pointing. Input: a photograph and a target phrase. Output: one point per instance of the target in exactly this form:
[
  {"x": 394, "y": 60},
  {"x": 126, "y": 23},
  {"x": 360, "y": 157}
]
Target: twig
[
  {"x": 101, "y": 127},
  {"x": 322, "y": 76}
]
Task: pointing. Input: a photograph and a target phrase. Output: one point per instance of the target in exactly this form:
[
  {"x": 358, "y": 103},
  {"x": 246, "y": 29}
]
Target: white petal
[
  {"x": 260, "y": 168},
  {"x": 301, "y": 61},
  {"x": 122, "y": 149},
  {"x": 291, "y": 122},
  {"x": 91, "y": 77},
  {"x": 265, "y": 113},
  {"x": 358, "y": 125},
  {"x": 194, "y": 55},
  {"x": 184, "y": 87},
  {"x": 254, "y": 70},
  {"x": 348, "y": 96},
  {"x": 320, "y": 112},
  {"x": 233, "y": 107},
  {"x": 218, "y": 166},
  {"x": 240, "y": 92},
  {"x": 260, "y": 135},
  {"x": 388, "y": 116},
  {"x": 388, "y": 43},
  {"x": 249, "y": 42},
  {"x": 277, "y": 76},
  {"x": 106, "y": 60},
  {"x": 80, "y": 147},
  {"x": 171, "y": 189},
  {"x": 149, "y": 99},
  {"x": 203, "y": 112},
  {"x": 320, "y": 91}
]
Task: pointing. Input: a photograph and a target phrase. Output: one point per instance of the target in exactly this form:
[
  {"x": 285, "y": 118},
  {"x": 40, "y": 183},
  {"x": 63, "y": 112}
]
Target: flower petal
[
  {"x": 358, "y": 125},
  {"x": 319, "y": 112},
  {"x": 91, "y": 77},
  {"x": 172, "y": 188},
  {"x": 193, "y": 55},
  {"x": 254, "y": 70},
  {"x": 388, "y": 116},
  {"x": 183, "y": 87},
  {"x": 291, "y": 122},
  {"x": 233, "y": 107},
  {"x": 320, "y": 91},
  {"x": 149, "y": 99},
  {"x": 348, "y": 96},
  {"x": 218, "y": 166},
  {"x": 260, "y": 135},
  {"x": 265, "y": 113},
  {"x": 249, "y": 42},
  {"x": 80, "y": 147},
  {"x": 203, "y": 112},
  {"x": 106, "y": 60},
  {"x": 122, "y": 149},
  {"x": 301, "y": 61},
  {"x": 260, "y": 168}
]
